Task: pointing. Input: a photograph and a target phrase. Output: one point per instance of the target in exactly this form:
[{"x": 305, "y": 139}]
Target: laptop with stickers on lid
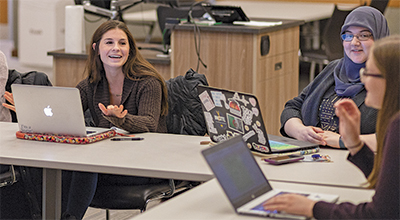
[{"x": 231, "y": 113}]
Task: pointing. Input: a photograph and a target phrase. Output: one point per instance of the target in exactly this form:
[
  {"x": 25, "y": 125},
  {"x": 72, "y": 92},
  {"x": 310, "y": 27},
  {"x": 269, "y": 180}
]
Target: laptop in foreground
[
  {"x": 50, "y": 110},
  {"x": 243, "y": 181},
  {"x": 230, "y": 113}
]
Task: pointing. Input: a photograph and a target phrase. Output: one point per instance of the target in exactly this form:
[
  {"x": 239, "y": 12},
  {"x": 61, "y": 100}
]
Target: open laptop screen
[{"x": 237, "y": 171}]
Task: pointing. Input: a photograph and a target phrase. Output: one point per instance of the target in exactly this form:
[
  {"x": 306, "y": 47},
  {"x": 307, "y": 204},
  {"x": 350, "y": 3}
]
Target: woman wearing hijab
[
  {"x": 382, "y": 81},
  {"x": 311, "y": 116}
]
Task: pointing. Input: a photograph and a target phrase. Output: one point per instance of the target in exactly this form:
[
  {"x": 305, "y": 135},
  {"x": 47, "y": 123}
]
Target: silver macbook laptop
[
  {"x": 243, "y": 181},
  {"x": 230, "y": 113},
  {"x": 51, "y": 110}
]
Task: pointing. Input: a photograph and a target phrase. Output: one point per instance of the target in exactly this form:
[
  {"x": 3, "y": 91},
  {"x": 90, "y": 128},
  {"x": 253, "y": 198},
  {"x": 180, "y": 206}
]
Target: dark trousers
[
  {"x": 23, "y": 200},
  {"x": 78, "y": 188}
]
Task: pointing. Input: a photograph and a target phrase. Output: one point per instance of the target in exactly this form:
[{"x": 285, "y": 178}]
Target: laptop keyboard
[
  {"x": 279, "y": 145},
  {"x": 260, "y": 207}
]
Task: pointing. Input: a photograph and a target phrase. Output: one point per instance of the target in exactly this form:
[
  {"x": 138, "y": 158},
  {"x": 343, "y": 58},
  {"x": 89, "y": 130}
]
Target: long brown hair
[
  {"x": 135, "y": 68},
  {"x": 386, "y": 54}
]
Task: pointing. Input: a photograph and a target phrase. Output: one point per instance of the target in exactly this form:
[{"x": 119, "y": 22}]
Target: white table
[
  {"x": 208, "y": 201},
  {"x": 157, "y": 156},
  {"x": 340, "y": 172},
  {"x": 307, "y": 11}
]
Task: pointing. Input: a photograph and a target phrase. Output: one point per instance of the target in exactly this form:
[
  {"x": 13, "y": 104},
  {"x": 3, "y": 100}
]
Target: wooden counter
[
  {"x": 69, "y": 68},
  {"x": 234, "y": 61}
]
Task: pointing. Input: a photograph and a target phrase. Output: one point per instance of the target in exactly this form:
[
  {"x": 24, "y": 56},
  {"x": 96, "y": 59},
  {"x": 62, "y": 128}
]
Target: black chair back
[
  {"x": 379, "y": 4},
  {"x": 185, "y": 114},
  {"x": 164, "y": 13},
  {"x": 331, "y": 35}
]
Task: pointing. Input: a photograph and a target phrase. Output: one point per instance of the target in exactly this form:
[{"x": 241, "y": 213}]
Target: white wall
[
  {"x": 393, "y": 17},
  {"x": 41, "y": 27},
  {"x": 138, "y": 31}
]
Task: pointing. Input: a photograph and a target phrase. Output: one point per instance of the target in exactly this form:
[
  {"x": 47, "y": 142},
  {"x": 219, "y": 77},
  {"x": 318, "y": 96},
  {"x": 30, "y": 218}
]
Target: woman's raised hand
[
  {"x": 10, "y": 98},
  {"x": 349, "y": 122},
  {"x": 113, "y": 110}
]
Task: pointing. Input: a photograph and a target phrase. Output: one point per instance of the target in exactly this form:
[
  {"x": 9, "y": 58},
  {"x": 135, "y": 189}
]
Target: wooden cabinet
[{"x": 234, "y": 61}]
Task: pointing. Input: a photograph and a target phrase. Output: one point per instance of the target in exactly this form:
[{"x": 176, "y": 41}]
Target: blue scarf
[{"x": 347, "y": 77}]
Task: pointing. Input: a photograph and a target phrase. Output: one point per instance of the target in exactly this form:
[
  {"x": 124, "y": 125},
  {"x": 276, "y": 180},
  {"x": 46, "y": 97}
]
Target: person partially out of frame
[{"x": 382, "y": 82}]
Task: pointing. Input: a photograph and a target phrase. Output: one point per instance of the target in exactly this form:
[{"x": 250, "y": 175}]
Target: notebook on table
[
  {"x": 53, "y": 112},
  {"x": 243, "y": 181},
  {"x": 230, "y": 113}
]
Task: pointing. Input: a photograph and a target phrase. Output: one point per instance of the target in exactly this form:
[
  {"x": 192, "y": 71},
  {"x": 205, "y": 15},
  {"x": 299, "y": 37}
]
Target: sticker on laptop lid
[
  {"x": 220, "y": 120},
  {"x": 235, "y": 123},
  {"x": 248, "y": 135},
  {"x": 259, "y": 147},
  {"x": 219, "y": 99},
  {"x": 206, "y": 100},
  {"x": 210, "y": 125},
  {"x": 234, "y": 107},
  {"x": 25, "y": 128},
  {"x": 247, "y": 115},
  {"x": 242, "y": 100}
]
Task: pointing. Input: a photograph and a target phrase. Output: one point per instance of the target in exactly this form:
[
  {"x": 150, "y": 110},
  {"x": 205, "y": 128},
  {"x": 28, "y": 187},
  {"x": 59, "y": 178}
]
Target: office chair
[
  {"x": 136, "y": 197},
  {"x": 183, "y": 120},
  {"x": 331, "y": 48},
  {"x": 379, "y": 4},
  {"x": 173, "y": 15}
]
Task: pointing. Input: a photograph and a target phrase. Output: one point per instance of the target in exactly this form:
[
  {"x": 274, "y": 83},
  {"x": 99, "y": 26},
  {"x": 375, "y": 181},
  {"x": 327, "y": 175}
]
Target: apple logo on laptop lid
[{"x": 48, "y": 111}]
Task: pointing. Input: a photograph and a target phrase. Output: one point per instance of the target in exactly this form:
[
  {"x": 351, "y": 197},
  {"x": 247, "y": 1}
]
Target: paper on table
[{"x": 258, "y": 23}]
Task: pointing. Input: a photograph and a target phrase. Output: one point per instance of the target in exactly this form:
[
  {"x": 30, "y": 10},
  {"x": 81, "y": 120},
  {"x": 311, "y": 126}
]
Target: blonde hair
[{"x": 386, "y": 54}]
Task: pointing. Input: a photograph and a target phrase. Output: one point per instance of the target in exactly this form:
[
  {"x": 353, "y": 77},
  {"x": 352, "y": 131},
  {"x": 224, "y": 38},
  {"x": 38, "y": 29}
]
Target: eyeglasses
[
  {"x": 364, "y": 73},
  {"x": 360, "y": 37}
]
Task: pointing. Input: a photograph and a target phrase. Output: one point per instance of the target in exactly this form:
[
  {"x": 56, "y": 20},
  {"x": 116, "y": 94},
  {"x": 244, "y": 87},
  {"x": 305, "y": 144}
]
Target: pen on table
[
  {"x": 128, "y": 139},
  {"x": 316, "y": 156},
  {"x": 310, "y": 151}
]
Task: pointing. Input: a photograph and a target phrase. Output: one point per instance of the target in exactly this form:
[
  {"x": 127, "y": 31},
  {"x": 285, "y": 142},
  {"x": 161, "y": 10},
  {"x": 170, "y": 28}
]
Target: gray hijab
[
  {"x": 347, "y": 77},
  {"x": 368, "y": 17}
]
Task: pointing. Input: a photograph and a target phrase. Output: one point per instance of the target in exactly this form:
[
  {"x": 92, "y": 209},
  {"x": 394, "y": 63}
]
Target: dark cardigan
[
  {"x": 385, "y": 202},
  {"x": 142, "y": 99},
  {"x": 306, "y": 105}
]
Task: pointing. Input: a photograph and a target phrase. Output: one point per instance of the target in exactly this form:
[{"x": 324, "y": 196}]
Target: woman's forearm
[{"x": 369, "y": 140}]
